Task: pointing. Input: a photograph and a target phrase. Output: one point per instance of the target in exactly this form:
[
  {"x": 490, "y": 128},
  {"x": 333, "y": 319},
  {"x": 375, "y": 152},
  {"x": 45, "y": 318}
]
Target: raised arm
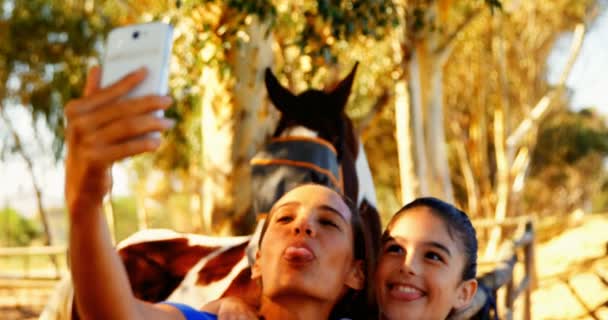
[{"x": 103, "y": 128}]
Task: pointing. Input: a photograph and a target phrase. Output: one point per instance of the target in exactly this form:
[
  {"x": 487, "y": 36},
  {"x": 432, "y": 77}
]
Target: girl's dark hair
[
  {"x": 355, "y": 304},
  {"x": 458, "y": 224}
]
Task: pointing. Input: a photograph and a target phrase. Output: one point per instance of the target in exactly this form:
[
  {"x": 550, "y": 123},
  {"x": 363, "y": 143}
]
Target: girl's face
[
  {"x": 308, "y": 247},
  {"x": 419, "y": 273}
]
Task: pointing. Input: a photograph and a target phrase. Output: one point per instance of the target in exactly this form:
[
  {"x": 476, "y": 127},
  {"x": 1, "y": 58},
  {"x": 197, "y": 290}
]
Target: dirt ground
[
  {"x": 572, "y": 279},
  {"x": 572, "y": 273},
  {"x": 23, "y": 300}
]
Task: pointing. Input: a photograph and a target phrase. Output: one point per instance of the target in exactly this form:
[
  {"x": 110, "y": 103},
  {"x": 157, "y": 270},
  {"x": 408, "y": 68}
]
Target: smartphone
[{"x": 130, "y": 47}]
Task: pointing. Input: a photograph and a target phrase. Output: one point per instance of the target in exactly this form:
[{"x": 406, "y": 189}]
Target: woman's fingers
[
  {"x": 93, "y": 81},
  {"x": 127, "y": 128},
  {"x": 107, "y": 154},
  {"x": 104, "y": 96},
  {"x": 122, "y": 109}
]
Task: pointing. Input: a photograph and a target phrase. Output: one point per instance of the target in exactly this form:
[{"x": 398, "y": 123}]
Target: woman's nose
[{"x": 304, "y": 226}]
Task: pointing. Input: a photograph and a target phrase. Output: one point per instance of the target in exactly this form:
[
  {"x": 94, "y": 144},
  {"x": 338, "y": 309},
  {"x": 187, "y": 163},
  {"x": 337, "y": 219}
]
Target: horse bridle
[{"x": 290, "y": 161}]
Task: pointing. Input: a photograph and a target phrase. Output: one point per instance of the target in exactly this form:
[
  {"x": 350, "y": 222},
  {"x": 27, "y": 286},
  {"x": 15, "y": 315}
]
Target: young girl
[{"x": 428, "y": 262}]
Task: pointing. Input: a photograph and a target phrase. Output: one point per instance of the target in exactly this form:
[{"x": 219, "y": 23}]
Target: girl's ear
[
  {"x": 466, "y": 292},
  {"x": 256, "y": 273},
  {"x": 356, "y": 276}
]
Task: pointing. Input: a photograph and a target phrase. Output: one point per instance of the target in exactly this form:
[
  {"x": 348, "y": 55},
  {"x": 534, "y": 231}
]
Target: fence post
[
  {"x": 509, "y": 299},
  {"x": 530, "y": 271},
  {"x": 27, "y": 266}
]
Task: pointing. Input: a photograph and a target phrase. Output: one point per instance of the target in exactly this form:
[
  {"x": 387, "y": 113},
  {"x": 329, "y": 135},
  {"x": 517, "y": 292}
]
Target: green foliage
[
  {"x": 349, "y": 19},
  {"x": 567, "y": 137},
  {"x": 125, "y": 216},
  {"x": 45, "y": 49},
  {"x": 15, "y": 229},
  {"x": 493, "y": 4},
  {"x": 567, "y": 167},
  {"x": 600, "y": 199}
]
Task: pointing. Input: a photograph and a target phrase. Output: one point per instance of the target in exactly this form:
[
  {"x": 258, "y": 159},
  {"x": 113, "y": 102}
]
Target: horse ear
[
  {"x": 342, "y": 91},
  {"x": 280, "y": 97}
]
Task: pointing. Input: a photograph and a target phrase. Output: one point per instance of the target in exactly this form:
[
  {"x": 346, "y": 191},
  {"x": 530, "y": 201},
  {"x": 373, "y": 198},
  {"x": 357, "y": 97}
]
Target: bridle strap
[{"x": 303, "y": 152}]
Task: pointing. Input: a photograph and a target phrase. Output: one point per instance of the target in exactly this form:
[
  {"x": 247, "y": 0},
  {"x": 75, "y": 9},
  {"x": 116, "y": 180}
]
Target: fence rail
[
  {"x": 26, "y": 253},
  {"x": 502, "y": 276},
  {"x": 32, "y": 251}
]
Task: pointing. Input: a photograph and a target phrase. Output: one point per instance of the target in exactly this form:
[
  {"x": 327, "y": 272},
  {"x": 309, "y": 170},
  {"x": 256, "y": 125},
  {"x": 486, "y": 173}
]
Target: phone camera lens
[{"x": 135, "y": 34}]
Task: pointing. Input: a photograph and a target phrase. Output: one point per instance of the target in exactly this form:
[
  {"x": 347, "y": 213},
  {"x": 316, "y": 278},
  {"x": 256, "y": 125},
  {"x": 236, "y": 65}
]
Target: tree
[
  {"x": 454, "y": 78},
  {"x": 221, "y": 95},
  {"x": 16, "y": 229},
  {"x": 501, "y": 90},
  {"x": 44, "y": 50},
  {"x": 564, "y": 166}
]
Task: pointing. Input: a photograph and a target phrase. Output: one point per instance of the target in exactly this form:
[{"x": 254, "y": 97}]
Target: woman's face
[
  {"x": 419, "y": 274},
  {"x": 308, "y": 246}
]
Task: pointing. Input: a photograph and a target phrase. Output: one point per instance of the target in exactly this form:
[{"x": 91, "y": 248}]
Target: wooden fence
[
  {"x": 26, "y": 253},
  {"x": 502, "y": 277}
]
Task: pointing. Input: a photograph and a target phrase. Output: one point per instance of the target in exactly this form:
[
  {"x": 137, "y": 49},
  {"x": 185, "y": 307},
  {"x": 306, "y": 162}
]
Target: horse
[{"x": 314, "y": 142}]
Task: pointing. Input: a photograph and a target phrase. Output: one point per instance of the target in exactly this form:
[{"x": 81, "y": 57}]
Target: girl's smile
[
  {"x": 404, "y": 291},
  {"x": 420, "y": 269}
]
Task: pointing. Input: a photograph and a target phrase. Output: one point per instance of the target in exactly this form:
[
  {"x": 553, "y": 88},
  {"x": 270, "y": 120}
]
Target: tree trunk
[
  {"x": 231, "y": 134},
  {"x": 435, "y": 128},
  {"x": 44, "y": 219},
  {"x": 140, "y": 204},
  {"x": 417, "y": 94},
  {"x": 409, "y": 180},
  {"x": 30, "y": 167},
  {"x": 503, "y": 158},
  {"x": 467, "y": 171}
]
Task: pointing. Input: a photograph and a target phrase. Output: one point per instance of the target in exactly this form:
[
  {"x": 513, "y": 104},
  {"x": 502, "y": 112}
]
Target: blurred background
[{"x": 496, "y": 105}]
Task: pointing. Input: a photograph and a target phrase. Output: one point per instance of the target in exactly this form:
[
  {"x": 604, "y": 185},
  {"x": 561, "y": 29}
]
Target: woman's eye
[
  {"x": 394, "y": 248},
  {"x": 329, "y": 222},
  {"x": 434, "y": 256}
]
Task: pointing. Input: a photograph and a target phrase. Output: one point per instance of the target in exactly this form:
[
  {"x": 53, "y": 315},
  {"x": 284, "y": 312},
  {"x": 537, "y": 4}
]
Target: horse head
[{"x": 317, "y": 117}]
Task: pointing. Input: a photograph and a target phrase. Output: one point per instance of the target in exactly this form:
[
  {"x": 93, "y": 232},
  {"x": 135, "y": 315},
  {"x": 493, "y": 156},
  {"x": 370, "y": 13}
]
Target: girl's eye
[
  {"x": 394, "y": 248},
  {"x": 433, "y": 256}
]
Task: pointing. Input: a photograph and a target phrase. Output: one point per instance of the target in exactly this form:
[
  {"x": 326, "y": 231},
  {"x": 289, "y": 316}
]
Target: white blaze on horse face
[
  {"x": 364, "y": 175},
  {"x": 299, "y": 131}
]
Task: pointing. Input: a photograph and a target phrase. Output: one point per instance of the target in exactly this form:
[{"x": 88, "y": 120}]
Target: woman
[{"x": 313, "y": 255}]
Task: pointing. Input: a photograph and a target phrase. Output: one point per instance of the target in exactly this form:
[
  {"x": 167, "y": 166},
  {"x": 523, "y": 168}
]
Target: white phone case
[{"x": 131, "y": 47}]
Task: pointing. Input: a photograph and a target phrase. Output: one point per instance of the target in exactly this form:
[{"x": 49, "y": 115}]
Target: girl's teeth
[{"x": 406, "y": 289}]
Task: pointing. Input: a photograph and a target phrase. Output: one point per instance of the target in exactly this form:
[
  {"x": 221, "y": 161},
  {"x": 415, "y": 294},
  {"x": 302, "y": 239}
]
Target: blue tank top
[{"x": 191, "y": 313}]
